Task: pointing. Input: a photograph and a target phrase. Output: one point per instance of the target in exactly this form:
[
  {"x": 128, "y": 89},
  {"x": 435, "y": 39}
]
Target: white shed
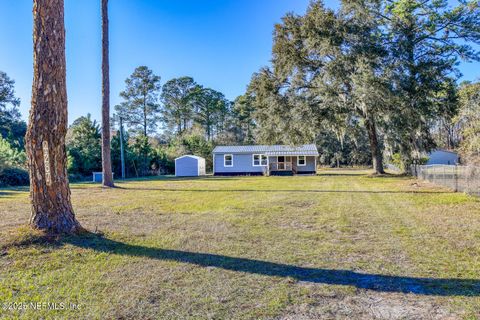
[{"x": 189, "y": 166}]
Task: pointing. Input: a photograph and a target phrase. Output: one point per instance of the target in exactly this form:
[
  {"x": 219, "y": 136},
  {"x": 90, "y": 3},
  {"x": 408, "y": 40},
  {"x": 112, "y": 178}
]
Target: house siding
[
  {"x": 310, "y": 167},
  {"x": 242, "y": 163}
]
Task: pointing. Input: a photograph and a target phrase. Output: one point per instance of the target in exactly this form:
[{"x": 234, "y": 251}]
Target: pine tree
[
  {"x": 45, "y": 140},
  {"x": 107, "y": 177}
]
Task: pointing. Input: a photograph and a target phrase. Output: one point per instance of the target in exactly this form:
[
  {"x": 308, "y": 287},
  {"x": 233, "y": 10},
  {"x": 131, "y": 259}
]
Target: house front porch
[{"x": 288, "y": 165}]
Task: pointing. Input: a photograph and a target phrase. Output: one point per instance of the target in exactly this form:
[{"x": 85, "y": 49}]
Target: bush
[
  {"x": 14, "y": 177},
  {"x": 398, "y": 161},
  {"x": 11, "y": 157},
  {"x": 422, "y": 160},
  {"x": 77, "y": 177},
  {"x": 404, "y": 164}
]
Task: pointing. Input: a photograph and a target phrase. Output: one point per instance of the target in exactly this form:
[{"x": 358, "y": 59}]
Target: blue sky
[{"x": 220, "y": 43}]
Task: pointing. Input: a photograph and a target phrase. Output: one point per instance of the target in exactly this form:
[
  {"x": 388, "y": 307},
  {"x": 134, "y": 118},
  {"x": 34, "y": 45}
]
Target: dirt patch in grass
[{"x": 368, "y": 305}]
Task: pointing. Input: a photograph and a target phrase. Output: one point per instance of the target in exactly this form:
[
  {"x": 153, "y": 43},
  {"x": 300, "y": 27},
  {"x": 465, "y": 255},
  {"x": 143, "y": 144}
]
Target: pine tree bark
[
  {"x": 377, "y": 158},
  {"x": 107, "y": 180},
  {"x": 45, "y": 139}
]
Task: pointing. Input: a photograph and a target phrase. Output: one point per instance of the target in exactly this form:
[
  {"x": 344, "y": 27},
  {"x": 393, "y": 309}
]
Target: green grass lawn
[{"x": 338, "y": 245}]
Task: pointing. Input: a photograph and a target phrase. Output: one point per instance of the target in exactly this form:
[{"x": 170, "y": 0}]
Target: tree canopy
[
  {"x": 178, "y": 103},
  {"x": 84, "y": 146},
  {"x": 469, "y": 121},
  {"x": 140, "y": 108},
  {"x": 12, "y": 127}
]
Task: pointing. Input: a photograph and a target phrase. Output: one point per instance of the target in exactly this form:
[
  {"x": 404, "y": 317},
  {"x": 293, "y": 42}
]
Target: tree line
[
  {"x": 459, "y": 130},
  {"x": 160, "y": 123}
]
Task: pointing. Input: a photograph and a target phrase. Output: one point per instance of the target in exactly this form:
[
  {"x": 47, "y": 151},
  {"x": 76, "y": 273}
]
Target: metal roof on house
[{"x": 273, "y": 150}]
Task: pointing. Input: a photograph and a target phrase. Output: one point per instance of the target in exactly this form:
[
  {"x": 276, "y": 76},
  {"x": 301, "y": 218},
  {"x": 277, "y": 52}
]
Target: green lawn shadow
[{"x": 374, "y": 282}]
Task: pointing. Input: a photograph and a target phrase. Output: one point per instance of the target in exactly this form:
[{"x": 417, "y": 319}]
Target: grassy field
[{"x": 338, "y": 245}]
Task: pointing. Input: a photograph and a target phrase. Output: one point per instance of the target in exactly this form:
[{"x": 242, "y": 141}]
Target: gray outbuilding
[
  {"x": 189, "y": 166},
  {"x": 443, "y": 157}
]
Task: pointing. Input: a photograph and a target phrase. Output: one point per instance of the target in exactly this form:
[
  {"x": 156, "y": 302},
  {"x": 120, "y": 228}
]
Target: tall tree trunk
[
  {"x": 145, "y": 115},
  {"x": 107, "y": 180},
  {"x": 45, "y": 139},
  {"x": 122, "y": 156},
  {"x": 209, "y": 131},
  {"x": 145, "y": 129},
  {"x": 377, "y": 158}
]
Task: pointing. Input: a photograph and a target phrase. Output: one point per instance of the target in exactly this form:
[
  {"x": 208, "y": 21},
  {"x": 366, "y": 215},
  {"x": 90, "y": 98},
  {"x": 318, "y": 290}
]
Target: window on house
[
  {"x": 228, "y": 160},
  {"x": 264, "y": 161},
  {"x": 302, "y": 161},
  {"x": 260, "y": 160}
]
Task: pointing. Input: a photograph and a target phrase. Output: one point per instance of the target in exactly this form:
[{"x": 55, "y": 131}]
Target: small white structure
[
  {"x": 189, "y": 166},
  {"x": 442, "y": 157}
]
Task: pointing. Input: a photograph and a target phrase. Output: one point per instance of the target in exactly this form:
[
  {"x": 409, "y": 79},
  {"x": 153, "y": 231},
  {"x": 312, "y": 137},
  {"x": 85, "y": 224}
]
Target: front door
[
  {"x": 281, "y": 163},
  {"x": 284, "y": 163}
]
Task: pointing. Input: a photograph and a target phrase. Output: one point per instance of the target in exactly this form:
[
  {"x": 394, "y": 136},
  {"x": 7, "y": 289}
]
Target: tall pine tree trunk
[
  {"x": 45, "y": 140},
  {"x": 145, "y": 137},
  {"x": 107, "y": 179},
  {"x": 377, "y": 158}
]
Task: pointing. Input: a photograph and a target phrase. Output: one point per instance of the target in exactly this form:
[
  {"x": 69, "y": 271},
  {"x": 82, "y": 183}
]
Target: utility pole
[{"x": 122, "y": 157}]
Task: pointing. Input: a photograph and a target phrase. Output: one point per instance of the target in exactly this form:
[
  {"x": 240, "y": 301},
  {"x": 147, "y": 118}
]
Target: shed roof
[
  {"x": 443, "y": 150},
  {"x": 189, "y": 156},
  {"x": 272, "y": 150}
]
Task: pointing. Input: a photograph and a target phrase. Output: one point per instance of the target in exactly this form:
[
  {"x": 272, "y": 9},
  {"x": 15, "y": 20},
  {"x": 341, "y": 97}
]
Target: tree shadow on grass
[
  {"x": 8, "y": 192},
  {"x": 202, "y": 178},
  {"x": 384, "y": 176},
  {"x": 375, "y": 282},
  {"x": 342, "y": 174}
]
